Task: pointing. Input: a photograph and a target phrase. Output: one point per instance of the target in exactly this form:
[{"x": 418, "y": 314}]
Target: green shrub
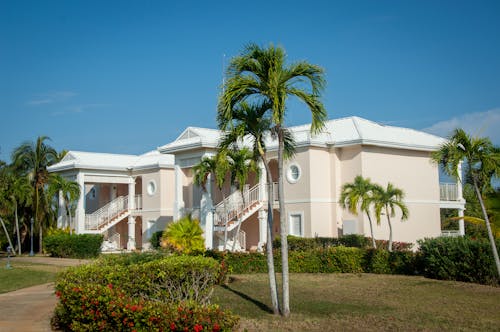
[
  {"x": 95, "y": 307},
  {"x": 184, "y": 235},
  {"x": 141, "y": 292},
  {"x": 354, "y": 240},
  {"x": 73, "y": 245},
  {"x": 170, "y": 279},
  {"x": 156, "y": 240},
  {"x": 458, "y": 258},
  {"x": 376, "y": 261}
]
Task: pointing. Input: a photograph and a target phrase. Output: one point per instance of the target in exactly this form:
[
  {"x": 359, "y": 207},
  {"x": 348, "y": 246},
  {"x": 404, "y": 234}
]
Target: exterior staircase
[
  {"x": 232, "y": 212},
  {"x": 109, "y": 215}
]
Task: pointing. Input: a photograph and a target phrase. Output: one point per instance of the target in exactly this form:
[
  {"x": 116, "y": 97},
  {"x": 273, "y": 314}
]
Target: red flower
[
  {"x": 172, "y": 326},
  {"x": 110, "y": 286},
  {"x": 198, "y": 328},
  {"x": 58, "y": 293},
  {"x": 216, "y": 328}
]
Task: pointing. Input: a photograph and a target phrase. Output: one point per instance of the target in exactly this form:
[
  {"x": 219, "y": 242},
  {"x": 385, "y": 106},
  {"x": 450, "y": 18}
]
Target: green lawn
[
  {"x": 364, "y": 302},
  {"x": 25, "y": 274}
]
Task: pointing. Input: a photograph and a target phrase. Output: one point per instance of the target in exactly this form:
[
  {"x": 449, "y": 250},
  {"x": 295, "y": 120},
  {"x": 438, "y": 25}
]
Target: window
[
  {"x": 293, "y": 173},
  {"x": 296, "y": 228},
  {"x": 349, "y": 227},
  {"x": 151, "y": 188}
]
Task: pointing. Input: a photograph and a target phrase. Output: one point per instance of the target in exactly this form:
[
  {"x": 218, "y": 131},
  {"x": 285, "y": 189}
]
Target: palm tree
[
  {"x": 185, "y": 235},
  {"x": 32, "y": 159},
  {"x": 251, "y": 121},
  {"x": 386, "y": 201},
  {"x": 482, "y": 162},
  {"x": 358, "y": 195},
  {"x": 70, "y": 192},
  {"x": 261, "y": 75}
]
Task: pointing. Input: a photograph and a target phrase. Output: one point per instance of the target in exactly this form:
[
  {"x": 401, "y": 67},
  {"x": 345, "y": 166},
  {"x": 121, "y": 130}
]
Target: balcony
[{"x": 448, "y": 192}]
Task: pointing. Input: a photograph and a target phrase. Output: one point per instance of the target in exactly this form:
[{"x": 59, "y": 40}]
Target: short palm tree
[
  {"x": 32, "y": 159},
  {"x": 387, "y": 201},
  {"x": 185, "y": 235},
  {"x": 482, "y": 162},
  {"x": 358, "y": 196},
  {"x": 261, "y": 75}
]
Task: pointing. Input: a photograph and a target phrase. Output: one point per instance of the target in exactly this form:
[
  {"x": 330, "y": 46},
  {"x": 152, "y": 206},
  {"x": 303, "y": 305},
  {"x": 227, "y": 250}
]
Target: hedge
[
  {"x": 352, "y": 240},
  {"x": 323, "y": 260},
  {"x": 73, "y": 245},
  {"x": 459, "y": 258},
  {"x": 141, "y": 292}
]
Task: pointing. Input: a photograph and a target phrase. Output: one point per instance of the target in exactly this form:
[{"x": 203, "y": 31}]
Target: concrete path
[{"x": 30, "y": 309}]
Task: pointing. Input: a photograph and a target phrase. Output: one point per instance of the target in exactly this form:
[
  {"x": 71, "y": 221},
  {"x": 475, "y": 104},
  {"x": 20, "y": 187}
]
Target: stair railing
[{"x": 103, "y": 215}]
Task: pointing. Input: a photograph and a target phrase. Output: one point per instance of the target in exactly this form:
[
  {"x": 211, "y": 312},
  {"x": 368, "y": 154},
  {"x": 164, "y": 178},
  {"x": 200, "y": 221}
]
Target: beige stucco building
[{"x": 322, "y": 164}]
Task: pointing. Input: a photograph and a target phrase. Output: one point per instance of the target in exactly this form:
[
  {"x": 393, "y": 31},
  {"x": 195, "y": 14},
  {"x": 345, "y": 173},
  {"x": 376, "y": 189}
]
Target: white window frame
[
  {"x": 151, "y": 185},
  {"x": 290, "y": 226},
  {"x": 289, "y": 173}
]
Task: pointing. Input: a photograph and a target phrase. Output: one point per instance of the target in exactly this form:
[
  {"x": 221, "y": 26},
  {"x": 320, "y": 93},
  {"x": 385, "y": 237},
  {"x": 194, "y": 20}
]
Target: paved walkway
[{"x": 30, "y": 309}]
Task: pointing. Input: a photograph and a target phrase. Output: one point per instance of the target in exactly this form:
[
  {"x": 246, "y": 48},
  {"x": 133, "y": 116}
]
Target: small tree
[
  {"x": 185, "y": 235},
  {"x": 386, "y": 201},
  {"x": 359, "y": 195}
]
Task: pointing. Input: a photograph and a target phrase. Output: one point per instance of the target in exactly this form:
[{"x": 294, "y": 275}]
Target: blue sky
[{"x": 128, "y": 76}]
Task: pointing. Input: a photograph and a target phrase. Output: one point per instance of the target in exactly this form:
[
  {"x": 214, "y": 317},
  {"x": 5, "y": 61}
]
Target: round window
[
  {"x": 151, "y": 188},
  {"x": 293, "y": 173}
]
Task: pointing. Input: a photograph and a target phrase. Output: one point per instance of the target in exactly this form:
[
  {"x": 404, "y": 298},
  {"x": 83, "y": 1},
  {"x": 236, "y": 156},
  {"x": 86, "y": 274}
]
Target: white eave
[
  {"x": 112, "y": 162},
  {"x": 337, "y": 133}
]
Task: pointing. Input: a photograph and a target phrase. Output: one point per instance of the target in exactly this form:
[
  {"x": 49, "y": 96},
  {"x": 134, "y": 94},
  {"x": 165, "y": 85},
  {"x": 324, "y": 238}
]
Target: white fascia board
[{"x": 393, "y": 145}]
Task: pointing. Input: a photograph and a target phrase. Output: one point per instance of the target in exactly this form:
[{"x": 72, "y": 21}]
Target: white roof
[
  {"x": 338, "y": 133},
  {"x": 111, "y": 161}
]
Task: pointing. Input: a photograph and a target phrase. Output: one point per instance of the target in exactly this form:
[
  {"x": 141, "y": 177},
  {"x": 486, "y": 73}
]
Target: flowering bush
[{"x": 95, "y": 307}]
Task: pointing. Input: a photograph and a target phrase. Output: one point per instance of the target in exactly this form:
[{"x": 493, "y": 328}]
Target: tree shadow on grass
[{"x": 260, "y": 305}]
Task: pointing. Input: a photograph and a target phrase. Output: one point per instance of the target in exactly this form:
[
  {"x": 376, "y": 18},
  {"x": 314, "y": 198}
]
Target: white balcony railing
[{"x": 448, "y": 192}]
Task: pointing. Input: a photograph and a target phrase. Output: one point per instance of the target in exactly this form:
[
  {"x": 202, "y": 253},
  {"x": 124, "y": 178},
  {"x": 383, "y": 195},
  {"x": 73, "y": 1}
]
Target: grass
[
  {"x": 352, "y": 302},
  {"x": 24, "y": 274}
]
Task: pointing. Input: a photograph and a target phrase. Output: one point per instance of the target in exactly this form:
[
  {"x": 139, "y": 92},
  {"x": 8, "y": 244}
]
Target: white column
[
  {"x": 262, "y": 182},
  {"x": 131, "y": 219},
  {"x": 262, "y": 229},
  {"x": 459, "y": 182},
  {"x": 80, "y": 210},
  {"x": 178, "y": 201},
  {"x": 207, "y": 214},
  {"x": 61, "y": 215},
  {"x": 131, "y": 233},
  {"x": 461, "y": 223}
]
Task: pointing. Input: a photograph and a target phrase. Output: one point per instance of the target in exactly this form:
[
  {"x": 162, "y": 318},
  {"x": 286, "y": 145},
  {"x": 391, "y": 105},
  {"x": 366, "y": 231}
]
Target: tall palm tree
[
  {"x": 358, "y": 195},
  {"x": 250, "y": 121},
  {"x": 262, "y": 75},
  {"x": 387, "y": 201},
  {"x": 32, "y": 159},
  {"x": 482, "y": 162},
  {"x": 70, "y": 192}
]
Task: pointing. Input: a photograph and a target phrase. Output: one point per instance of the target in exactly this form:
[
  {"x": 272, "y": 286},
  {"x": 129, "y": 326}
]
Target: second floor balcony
[{"x": 448, "y": 192}]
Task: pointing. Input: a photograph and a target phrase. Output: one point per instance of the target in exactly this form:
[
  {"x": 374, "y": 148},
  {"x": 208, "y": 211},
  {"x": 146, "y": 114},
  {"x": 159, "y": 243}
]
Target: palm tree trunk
[
  {"x": 283, "y": 229},
  {"x": 273, "y": 287},
  {"x": 374, "y": 244},
  {"x": 239, "y": 222},
  {"x": 390, "y": 229},
  {"x": 7, "y": 235},
  {"x": 488, "y": 227},
  {"x": 17, "y": 231}
]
